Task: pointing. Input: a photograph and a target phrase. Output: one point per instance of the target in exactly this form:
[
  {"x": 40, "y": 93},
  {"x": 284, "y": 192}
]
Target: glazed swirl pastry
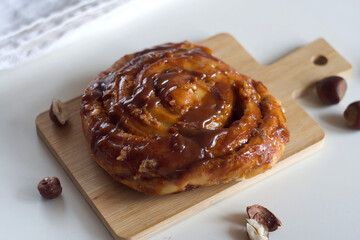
[{"x": 174, "y": 117}]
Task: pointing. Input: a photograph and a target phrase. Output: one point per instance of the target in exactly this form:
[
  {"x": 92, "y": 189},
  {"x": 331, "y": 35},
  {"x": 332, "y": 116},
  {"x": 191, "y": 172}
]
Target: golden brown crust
[{"x": 174, "y": 117}]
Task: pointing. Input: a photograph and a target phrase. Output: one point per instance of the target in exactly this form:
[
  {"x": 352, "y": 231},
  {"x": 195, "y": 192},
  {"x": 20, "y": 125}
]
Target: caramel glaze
[{"x": 175, "y": 115}]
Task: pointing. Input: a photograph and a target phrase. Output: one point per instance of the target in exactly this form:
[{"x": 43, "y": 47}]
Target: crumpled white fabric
[{"x": 30, "y": 28}]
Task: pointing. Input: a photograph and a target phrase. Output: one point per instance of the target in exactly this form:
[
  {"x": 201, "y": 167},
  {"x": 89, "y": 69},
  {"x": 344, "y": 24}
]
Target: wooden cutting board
[{"x": 132, "y": 215}]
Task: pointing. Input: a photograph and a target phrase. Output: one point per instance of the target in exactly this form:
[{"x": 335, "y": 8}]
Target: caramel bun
[{"x": 173, "y": 117}]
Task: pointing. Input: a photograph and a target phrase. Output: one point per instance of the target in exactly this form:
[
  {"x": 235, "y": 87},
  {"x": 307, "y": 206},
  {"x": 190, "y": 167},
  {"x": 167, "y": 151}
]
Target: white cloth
[{"x": 30, "y": 28}]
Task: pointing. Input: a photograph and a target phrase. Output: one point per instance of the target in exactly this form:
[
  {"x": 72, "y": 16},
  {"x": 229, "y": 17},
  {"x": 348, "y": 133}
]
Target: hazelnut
[
  {"x": 352, "y": 115},
  {"x": 331, "y": 89},
  {"x": 264, "y": 216},
  {"x": 256, "y": 230},
  {"x": 50, "y": 187},
  {"x": 58, "y": 112}
]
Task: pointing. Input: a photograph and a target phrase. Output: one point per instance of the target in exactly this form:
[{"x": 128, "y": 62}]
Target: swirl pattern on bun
[{"x": 174, "y": 117}]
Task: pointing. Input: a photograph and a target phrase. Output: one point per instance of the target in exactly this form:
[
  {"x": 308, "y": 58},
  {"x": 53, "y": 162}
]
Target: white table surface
[{"x": 317, "y": 198}]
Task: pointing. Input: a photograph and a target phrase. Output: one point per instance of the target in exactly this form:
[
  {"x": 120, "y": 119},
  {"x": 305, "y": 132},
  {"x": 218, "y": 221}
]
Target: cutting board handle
[
  {"x": 307, "y": 65},
  {"x": 292, "y": 75}
]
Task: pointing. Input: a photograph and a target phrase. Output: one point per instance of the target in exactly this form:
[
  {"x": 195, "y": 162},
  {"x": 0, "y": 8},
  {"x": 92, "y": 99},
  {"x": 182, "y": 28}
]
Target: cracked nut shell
[
  {"x": 352, "y": 115},
  {"x": 58, "y": 112},
  {"x": 264, "y": 216},
  {"x": 50, "y": 187},
  {"x": 331, "y": 89}
]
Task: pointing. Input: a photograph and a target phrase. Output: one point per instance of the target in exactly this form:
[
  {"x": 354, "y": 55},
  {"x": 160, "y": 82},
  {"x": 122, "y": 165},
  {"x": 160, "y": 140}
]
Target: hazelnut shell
[
  {"x": 331, "y": 89},
  {"x": 352, "y": 115},
  {"x": 264, "y": 216},
  {"x": 58, "y": 112},
  {"x": 50, "y": 187}
]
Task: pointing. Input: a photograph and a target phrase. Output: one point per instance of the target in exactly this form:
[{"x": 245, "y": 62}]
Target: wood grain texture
[{"x": 128, "y": 214}]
